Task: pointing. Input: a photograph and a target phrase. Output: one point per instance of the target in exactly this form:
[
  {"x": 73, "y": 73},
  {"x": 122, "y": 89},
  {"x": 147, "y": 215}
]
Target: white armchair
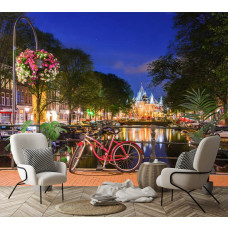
[
  {"x": 189, "y": 180},
  {"x": 27, "y": 172}
]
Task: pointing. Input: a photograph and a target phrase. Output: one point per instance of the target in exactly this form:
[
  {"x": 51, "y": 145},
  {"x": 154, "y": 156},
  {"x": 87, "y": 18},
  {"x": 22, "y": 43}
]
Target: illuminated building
[
  {"x": 24, "y": 102},
  {"x": 147, "y": 107}
]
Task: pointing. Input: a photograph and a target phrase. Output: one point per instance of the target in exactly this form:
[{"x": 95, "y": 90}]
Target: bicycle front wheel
[
  {"x": 75, "y": 158},
  {"x": 127, "y": 157}
]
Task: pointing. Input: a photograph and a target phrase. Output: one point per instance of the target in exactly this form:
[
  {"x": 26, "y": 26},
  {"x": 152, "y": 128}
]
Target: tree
[
  {"x": 197, "y": 58},
  {"x": 38, "y": 78},
  {"x": 6, "y": 40},
  {"x": 92, "y": 93},
  {"x": 77, "y": 84},
  {"x": 24, "y": 40},
  {"x": 45, "y": 93},
  {"x": 76, "y": 71},
  {"x": 116, "y": 94}
]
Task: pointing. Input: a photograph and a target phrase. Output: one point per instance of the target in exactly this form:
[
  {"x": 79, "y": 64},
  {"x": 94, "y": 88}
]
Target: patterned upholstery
[
  {"x": 185, "y": 160},
  {"x": 40, "y": 159},
  {"x": 203, "y": 162},
  {"x": 32, "y": 142}
]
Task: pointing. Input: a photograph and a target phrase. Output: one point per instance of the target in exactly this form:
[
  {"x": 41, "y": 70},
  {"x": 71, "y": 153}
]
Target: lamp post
[{"x": 14, "y": 55}]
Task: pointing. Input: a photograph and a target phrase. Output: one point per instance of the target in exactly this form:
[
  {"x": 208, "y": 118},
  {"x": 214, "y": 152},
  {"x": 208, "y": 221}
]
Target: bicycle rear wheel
[
  {"x": 75, "y": 158},
  {"x": 129, "y": 163}
]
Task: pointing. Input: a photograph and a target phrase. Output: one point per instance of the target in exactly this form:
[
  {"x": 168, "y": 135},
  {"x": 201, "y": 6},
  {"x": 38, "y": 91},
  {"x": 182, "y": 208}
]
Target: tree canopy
[
  {"x": 115, "y": 95},
  {"x": 77, "y": 84},
  {"x": 197, "y": 58}
]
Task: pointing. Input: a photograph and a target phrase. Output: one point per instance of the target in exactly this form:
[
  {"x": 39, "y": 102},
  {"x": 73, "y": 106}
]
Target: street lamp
[{"x": 14, "y": 55}]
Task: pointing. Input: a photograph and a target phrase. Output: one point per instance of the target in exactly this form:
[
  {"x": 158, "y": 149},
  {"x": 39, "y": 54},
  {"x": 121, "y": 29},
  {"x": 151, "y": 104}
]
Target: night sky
[{"x": 119, "y": 43}]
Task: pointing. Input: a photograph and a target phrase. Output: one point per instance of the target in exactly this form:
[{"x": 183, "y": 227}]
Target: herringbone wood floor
[{"x": 25, "y": 203}]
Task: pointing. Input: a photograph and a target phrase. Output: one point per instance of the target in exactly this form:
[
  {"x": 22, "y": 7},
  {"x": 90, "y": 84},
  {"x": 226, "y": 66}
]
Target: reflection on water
[
  {"x": 144, "y": 134},
  {"x": 161, "y": 135}
]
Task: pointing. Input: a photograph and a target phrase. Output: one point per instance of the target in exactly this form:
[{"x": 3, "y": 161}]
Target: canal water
[{"x": 144, "y": 134}]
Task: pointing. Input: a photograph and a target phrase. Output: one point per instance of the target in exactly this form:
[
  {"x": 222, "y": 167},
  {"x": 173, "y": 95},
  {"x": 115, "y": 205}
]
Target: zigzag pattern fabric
[
  {"x": 40, "y": 159},
  {"x": 185, "y": 160}
]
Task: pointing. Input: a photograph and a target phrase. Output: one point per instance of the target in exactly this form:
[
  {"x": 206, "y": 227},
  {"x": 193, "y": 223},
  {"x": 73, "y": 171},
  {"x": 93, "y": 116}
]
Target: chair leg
[
  {"x": 172, "y": 195},
  {"x": 47, "y": 188},
  {"x": 196, "y": 202},
  {"x": 62, "y": 193},
  {"x": 19, "y": 183},
  {"x": 212, "y": 195},
  {"x": 161, "y": 196},
  {"x": 40, "y": 194}
]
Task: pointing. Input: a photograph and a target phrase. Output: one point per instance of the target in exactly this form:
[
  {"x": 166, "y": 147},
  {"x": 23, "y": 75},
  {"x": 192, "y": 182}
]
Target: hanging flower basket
[{"x": 34, "y": 65}]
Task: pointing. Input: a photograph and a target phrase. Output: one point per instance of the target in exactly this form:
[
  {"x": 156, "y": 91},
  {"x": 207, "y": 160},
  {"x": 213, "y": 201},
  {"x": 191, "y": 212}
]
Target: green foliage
[
  {"x": 6, "y": 30},
  {"x": 51, "y": 130},
  {"x": 197, "y": 58},
  {"x": 76, "y": 82},
  {"x": 115, "y": 95},
  {"x": 25, "y": 125},
  {"x": 204, "y": 108},
  {"x": 197, "y": 136},
  {"x": 63, "y": 150},
  {"x": 24, "y": 40},
  {"x": 63, "y": 159},
  {"x": 68, "y": 149},
  {"x": 200, "y": 103}
]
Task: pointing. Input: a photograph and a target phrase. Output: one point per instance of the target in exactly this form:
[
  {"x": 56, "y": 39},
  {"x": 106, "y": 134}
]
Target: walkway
[{"x": 95, "y": 178}]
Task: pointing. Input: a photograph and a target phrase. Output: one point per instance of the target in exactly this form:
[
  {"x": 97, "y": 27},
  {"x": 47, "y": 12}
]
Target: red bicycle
[{"x": 125, "y": 156}]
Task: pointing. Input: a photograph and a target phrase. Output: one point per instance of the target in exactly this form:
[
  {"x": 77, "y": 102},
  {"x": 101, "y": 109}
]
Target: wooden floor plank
[{"x": 25, "y": 202}]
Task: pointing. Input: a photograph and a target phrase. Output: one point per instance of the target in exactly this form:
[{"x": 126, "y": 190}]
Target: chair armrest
[
  {"x": 61, "y": 167},
  {"x": 27, "y": 173},
  {"x": 169, "y": 171},
  {"x": 183, "y": 178}
]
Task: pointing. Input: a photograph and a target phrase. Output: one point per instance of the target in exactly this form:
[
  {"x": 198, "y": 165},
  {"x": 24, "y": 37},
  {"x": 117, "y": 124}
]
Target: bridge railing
[{"x": 152, "y": 140}]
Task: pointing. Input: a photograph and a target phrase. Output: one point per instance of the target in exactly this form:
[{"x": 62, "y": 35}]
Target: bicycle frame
[{"x": 106, "y": 158}]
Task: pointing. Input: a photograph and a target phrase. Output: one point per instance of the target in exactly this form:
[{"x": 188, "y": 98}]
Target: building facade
[
  {"x": 147, "y": 107},
  {"x": 24, "y": 102},
  {"x": 24, "y": 105}
]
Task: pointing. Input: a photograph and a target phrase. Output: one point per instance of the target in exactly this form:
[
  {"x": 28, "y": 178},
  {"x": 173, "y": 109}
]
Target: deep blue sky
[{"x": 119, "y": 43}]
